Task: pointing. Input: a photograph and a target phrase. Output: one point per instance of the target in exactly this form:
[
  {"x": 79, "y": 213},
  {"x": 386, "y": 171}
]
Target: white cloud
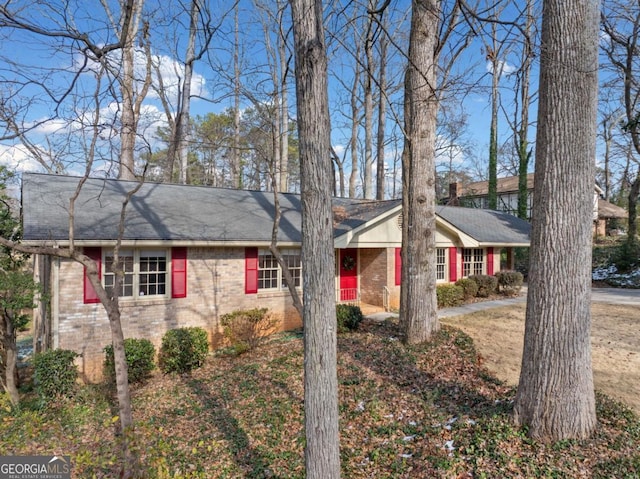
[
  {"x": 172, "y": 75},
  {"x": 339, "y": 149},
  {"x": 17, "y": 158},
  {"x": 503, "y": 67},
  {"x": 167, "y": 74}
]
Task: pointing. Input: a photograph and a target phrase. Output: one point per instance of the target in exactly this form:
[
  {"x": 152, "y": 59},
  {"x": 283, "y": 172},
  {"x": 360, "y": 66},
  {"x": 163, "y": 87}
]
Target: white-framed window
[
  {"x": 472, "y": 261},
  {"x": 441, "y": 265},
  {"x": 145, "y": 273},
  {"x": 270, "y": 275}
]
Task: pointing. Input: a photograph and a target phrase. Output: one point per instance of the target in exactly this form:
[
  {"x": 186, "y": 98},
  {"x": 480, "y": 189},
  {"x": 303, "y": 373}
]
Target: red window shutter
[
  {"x": 490, "y": 261},
  {"x": 453, "y": 264},
  {"x": 398, "y": 266},
  {"x": 250, "y": 270},
  {"x": 178, "y": 272},
  {"x": 90, "y": 295}
]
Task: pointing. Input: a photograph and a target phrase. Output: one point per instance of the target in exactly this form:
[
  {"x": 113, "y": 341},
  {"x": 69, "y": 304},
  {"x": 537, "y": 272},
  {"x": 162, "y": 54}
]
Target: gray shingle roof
[
  {"x": 178, "y": 213},
  {"x": 169, "y": 212},
  {"x": 487, "y": 226}
]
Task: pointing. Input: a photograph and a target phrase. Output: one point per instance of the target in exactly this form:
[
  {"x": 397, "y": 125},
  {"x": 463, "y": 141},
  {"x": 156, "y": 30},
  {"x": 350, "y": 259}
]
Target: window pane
[
  {"x": 473, "y": 261},
  {"x": 267, "y": 270},
  {"x": 441, "y": 264},
  {"x": 152, "y": 278},
  {"x": 126, "y": 264}
]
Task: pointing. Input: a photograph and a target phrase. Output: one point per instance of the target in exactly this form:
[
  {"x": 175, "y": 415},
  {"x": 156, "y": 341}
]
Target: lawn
[
  {"x": 615, "y": 346},
  {"x": 428, "y": 411}
]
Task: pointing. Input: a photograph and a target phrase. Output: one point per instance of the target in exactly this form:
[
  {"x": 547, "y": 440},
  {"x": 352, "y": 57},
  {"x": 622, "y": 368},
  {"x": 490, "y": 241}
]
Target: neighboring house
[
  {"x": 476, "y": 195},
  {"x": 192, "y": 254}
]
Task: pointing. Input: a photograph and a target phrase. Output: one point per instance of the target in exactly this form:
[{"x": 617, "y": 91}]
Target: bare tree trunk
[
  {"x": 41, "y": 320},
  {"x": 322, "y": 453},
  {"x": 355, "y": 118},
  {"x": 339, "y": 164},
  {"x": 555, "y": 397},
  {"x": 524, "y": 153},
  {"x": 368, "y": 107},
  {"x": 493, "y": 52},
  {"x": 183, "y": 117},
  {"x": 621, "y": 24},
  {"x": 127, "y": 89},
  {"x": 236, "y": 167},
  {"x": 382, "y": 84},
  {"x": 634, "y": 194},
  {"x": 11, "y": 358},
  {"x": 284, "y": 116},
  {"x": 418, "y": 306}
]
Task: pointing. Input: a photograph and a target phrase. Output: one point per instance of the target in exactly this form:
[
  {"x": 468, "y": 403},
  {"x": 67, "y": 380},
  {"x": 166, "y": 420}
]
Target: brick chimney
[{"x": 454, "y": 190}]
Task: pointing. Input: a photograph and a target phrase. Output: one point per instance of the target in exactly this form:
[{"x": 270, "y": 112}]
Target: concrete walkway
[{"x": 600, "y": 295}]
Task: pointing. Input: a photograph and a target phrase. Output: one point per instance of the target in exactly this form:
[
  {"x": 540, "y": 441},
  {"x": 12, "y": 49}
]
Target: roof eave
[{"x": 159, "y": 243}]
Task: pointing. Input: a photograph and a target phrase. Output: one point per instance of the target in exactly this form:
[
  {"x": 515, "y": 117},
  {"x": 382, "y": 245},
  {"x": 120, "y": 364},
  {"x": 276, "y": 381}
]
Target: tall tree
[
  {"x": 322, "y": 453},
  {"x": 17, "y": 292},
  {"x": 494, "y": 56},
  {"x": 107, "y": 70},
  {"x": 367, "y": 90},
  {"x": 132, "y": 92},
  {"x": 555, "y": 397},
  {"x": 522, "y": 126},
  {"x": 418, "y": 315},
  {"x": 382, "y": 117},
  {"x": 621, "y": 44},
  {"x": 176, "y": 97}
]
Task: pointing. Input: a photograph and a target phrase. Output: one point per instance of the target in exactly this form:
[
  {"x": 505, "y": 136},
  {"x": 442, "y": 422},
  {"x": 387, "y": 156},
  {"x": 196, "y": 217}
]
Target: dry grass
[{"x": 498, "y": 335}]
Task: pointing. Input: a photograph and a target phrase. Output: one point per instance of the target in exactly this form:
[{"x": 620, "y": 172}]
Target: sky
[{"x": 49, "y": 125}]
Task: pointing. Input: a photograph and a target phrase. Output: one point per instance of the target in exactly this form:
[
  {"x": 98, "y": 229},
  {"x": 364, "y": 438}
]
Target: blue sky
[{"x": 37, "y": 58}]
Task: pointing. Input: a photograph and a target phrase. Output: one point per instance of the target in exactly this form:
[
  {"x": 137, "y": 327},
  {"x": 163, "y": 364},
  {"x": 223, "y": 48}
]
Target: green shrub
[
  {"x": 509, "y": 282},
  {"x": 183, "y": 350},
  {"x": 469, "y": 286},
  {"x": 487, "y": 285},
  {"x": 349, "y": 317},
  {"x": 140, "y": 355},
  {"x": 627, "y": 256},
  {"x": 245, "y": 329},
  {"x": 55, "y": 373},
  {"x": 449, "y": 295}
]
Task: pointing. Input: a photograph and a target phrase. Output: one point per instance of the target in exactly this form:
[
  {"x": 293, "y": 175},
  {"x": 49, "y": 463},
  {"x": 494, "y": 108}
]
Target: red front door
[{"x": 348, "y": 274}]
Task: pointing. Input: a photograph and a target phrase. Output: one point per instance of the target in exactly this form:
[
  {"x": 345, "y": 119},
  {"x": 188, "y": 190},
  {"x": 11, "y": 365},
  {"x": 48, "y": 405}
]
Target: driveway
[{"x": 621, "y": 296}]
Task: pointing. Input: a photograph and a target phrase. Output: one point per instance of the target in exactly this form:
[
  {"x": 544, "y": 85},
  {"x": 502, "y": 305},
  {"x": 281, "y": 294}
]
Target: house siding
[{"x": 215, "y": 286}]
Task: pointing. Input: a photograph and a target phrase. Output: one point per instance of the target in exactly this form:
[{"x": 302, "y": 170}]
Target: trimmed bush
[
  {"x": 510, "y": 282},
  {"x": 55, "y": 373},
  {"x": 140, "y": 355},
  {"x": 487, "y": 285},
  {"x": 245, "y": 329},
  {"x": 449, "y": 295},
  {"x": 349, "y": 317},
  {"x": 469, "y": 286},
  {"x": 183, "y": 350}
]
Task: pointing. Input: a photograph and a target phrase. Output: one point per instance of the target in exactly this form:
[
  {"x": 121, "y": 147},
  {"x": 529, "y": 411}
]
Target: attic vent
[{"x": 399, "y": 220}]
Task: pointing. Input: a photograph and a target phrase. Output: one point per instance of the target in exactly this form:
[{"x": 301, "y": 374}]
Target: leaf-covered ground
[{"x": 428, "y": 411}]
